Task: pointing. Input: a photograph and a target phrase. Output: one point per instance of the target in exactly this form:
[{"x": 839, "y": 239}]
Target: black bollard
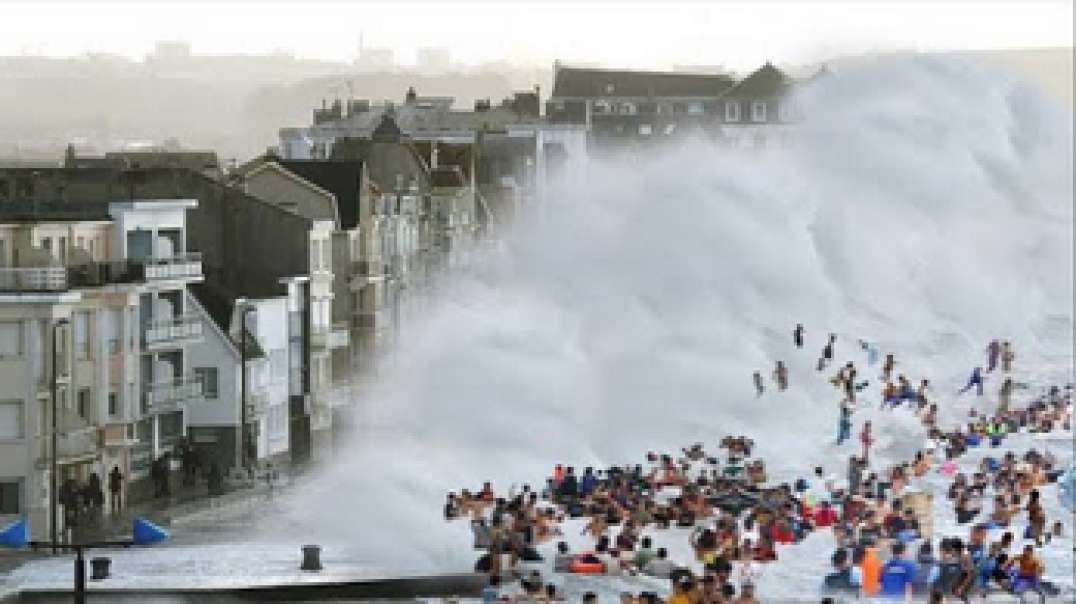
[
  {"x": 99, "y": 568},
  {"x": 311, "y": 558}
]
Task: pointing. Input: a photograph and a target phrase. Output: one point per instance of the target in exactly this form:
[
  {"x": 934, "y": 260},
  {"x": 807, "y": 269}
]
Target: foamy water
[{"x": 925, "y": 204}]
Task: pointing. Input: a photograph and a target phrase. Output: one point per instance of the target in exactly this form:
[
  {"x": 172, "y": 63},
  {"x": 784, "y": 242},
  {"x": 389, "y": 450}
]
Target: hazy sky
[{"x": 736, "y": 35}]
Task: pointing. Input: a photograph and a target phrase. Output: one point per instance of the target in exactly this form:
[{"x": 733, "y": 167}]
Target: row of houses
[
  {"x": 153, "y": 304},
  {"x": 233, "y": 316}
]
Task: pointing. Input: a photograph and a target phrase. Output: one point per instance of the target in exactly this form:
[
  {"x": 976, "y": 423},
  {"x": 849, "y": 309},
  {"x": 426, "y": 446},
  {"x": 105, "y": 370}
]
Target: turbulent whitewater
[{"x": 922, "y": 203}]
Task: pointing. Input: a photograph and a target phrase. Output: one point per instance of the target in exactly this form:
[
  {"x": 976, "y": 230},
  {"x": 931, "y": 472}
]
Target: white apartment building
[{"x": 94, "y": 322}]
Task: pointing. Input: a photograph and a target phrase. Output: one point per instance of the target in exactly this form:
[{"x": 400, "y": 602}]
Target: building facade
[{"x": 95, "y": 323}]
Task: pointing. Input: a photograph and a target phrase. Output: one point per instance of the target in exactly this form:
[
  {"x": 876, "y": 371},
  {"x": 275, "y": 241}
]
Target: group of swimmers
[{"x": 736, "y": 522}]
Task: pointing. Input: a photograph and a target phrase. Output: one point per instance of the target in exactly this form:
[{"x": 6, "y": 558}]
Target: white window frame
[
  {"x": 202, "y": 373},
  {"x": 646, "y": 129},
  {"x": 758, "y": 111},
  {"x": 732, "y": 111}
]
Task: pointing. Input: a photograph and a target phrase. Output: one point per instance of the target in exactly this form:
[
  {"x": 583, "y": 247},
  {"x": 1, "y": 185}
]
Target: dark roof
[
  {"x": 388, "y": 130},
  {"x": 36, "y": 210},
  {"x": 342, "y": 178},
  {"x": 575, "y": 82},
  {"x": 765, "y": 81},
  {"x": 219, "y": 305}
]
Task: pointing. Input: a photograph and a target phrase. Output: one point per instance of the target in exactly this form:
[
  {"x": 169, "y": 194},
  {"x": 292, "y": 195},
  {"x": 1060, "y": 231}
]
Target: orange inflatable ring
[{"x": 586, "y": 564}]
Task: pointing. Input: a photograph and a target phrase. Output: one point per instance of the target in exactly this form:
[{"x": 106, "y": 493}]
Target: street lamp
[
  {"x": 244, "y": 445},
  {"x": 53, "y": 472}
]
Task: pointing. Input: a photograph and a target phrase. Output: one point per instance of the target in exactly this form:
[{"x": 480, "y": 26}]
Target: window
[
  {"x": 63, "y": 249},
  {"x": 208, "y": 377},
  {"x": 10, "y": 339},
  {"x": 84, "y": 403},
  {"x": 9, "y": 497},
  {"x": 82, "y": 335},
  {"x": 113, "y": 404},
  {"x": 732, "y": 111},
  {"x": 46, "y": 244},
  {"x": 3, "y": 252},
  {"x": 628, "y": 109},
  {"x": 602, "y": 107},
  {"x": 80, "y": 242},
  {"x": 646, "y": 129},
  {"x": 694, "y": 108},
  {"x": 758, "y": 111},
  {"x": 12, "y": 420},
  {"x": 114, "y": 318}
]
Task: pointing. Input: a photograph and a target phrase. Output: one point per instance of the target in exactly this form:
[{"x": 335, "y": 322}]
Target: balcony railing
[
  {"x": 166, "y": 396},
  {"x": 329, "y": 336},
  {"x": 184, "y": 266},
  {"x": 96, "y": 274},
  {"x": 180, "y": 330},
  {"x": 45, "y": 279}
]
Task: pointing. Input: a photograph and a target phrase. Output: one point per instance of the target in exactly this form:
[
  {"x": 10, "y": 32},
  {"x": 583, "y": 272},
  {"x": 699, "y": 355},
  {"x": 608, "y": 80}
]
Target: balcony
[
  {"x": 182, "y": 267},
  {"x": 329, "y": 337},
  {"x": 167, "y": 396},
  {"x": 31, "y": 280},
  {"x": 97, "y": 274},
  {"x": 172, "y": 333}
]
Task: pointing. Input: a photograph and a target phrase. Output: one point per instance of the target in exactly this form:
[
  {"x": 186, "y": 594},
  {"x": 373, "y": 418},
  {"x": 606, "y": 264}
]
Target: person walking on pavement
[
  {"x": 866, "y": 439},
  {"x": 759, "y": 387},
  {"x": 797, "y": 335},
  {"x": 115, "y": 487}
]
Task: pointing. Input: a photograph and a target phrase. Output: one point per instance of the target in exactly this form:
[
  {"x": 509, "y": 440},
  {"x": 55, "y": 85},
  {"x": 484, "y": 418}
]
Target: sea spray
[{"x": 923, "y": 203}]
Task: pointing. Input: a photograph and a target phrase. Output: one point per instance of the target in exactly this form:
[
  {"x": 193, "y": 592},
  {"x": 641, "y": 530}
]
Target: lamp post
[
  {"x": 53, "y": 461},
  {"x": 244, "y": 446}
]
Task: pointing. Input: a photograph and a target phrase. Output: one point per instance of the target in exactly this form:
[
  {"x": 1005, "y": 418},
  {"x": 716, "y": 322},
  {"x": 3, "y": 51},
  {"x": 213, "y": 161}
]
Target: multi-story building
[
  {"x": 247, "y": 245},
  {"x": 622, "y": 108},
  {"x": 506, "y": 152},
  {"x": 95, "y": 324},
  {"x": 264, "y": 335}
]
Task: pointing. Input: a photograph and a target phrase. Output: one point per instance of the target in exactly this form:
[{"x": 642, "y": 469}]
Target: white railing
[
  {"x": 179, "y": 329},
  {"x": 29, "y": 279},
  {"x": 166, "y": 395},
  {"x": 184, "y": 266}
]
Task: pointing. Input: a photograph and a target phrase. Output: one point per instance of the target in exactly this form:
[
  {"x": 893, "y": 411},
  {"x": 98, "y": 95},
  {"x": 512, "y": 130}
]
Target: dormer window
[
  {"x": 758, "y": 111},
  {"x": 732, "y": 111},
  {"x": 609, "y": 88}
]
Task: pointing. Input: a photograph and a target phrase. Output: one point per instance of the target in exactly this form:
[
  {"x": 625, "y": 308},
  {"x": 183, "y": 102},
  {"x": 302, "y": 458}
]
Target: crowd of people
[{"x": 736, "y": 522}]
